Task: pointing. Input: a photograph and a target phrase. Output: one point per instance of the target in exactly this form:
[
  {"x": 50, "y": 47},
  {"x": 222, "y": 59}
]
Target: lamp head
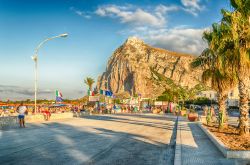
[
  {"x": 34, "y": 57},
  {"x": 63, "y": 35}
]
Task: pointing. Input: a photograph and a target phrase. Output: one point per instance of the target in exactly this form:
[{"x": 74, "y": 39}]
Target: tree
[
  {"x": 89, "y": 81},
  {"x": 168, "y": 95},
  {"x": 237, "y": 39},
  {"x": 216, "y": 71},
  {"x": 187, "y": 94},
  {"x": 122, "y": 95},
  {"x": 174, "y": 92}
]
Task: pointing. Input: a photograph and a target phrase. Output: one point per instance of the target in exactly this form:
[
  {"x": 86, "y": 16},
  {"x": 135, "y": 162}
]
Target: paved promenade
[
  {"x": 196, "y": 147},
  {"x": 107, "y": 139}
]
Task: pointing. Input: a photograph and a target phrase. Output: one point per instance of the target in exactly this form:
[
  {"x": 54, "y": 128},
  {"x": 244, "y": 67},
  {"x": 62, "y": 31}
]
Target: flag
[
  {"x": 102, "y": 92},
  {"x": 91, "y": 93},
  {"x": 59, "y": 96},
  {"x": 108, "y": 93}
]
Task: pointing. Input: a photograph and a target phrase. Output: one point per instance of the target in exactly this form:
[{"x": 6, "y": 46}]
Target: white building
[
  {"x": 233, "y": 97},
  {"x": 212, "y": 95},
  {"x": 232, "y": 100}
]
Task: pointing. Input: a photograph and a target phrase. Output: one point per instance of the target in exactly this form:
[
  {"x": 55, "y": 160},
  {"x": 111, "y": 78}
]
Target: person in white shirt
[{"x": 21, "y": 109}]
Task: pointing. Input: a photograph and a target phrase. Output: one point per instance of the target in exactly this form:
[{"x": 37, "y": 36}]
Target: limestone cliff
[{"x": 129, "y": 69}]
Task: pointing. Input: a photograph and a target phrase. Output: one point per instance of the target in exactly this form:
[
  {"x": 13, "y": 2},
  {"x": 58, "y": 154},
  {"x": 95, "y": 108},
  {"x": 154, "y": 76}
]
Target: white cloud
[
  {"x": 136, "y": 16},
  {"x": 7, "y": 89},
  {"x": 81, "y": 13},
  {"x": 141, "y": 17},
  {"x": 150, "y": 24},
  {"x": 186, "y": 40},
  {"x": 19, "y": 93},
  {"x": 164, "y": 9},
  {"x": 180, "y": 39},
  {"x": 148, "y": 16},
  {"x": 100, "y": 12},
  {"x": 192, "y": 6}
]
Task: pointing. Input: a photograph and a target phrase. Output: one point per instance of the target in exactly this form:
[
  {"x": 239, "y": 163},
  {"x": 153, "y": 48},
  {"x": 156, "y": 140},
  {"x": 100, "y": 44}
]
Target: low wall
[
  {"x": 54, "y": 116},
  {"x": 177, "y": 156},
  {"x": 202, "y": 119},
  {"x": 13, "y": 122},
  {"x": 237, "y": 154},
  {"x": 81, "y": 114},
  {"x": 8, "y": 122}
]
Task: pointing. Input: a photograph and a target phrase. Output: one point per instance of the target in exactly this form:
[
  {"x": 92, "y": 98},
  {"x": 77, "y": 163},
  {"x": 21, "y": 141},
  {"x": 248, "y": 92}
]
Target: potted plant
[
  {"x": 183, "y": 111},
  {"x": 192, "y": 116}
]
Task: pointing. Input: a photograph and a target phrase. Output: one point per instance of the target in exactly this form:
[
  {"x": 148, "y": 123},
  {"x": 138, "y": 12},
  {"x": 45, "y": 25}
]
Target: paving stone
[
  {"x": 197, "y": 148},
  {"x": 106, "y": 139}
]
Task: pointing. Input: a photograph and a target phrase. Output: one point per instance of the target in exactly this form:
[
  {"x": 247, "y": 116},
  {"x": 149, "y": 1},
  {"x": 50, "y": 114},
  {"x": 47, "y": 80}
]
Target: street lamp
[
  {"x": 107, "y": 81},
  {"x": 211, "y": 99},
  {"x": 35, "y": 59},
  {"x": 107, "y": 88}
]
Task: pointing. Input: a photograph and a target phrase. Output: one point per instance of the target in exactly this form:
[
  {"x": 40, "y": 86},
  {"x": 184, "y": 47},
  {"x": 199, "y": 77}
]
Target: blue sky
[{"x": 96, "y": 28}]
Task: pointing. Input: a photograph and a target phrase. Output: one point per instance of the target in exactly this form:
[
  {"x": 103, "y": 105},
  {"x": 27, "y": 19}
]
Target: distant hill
[{"x": 129, "y": 69}]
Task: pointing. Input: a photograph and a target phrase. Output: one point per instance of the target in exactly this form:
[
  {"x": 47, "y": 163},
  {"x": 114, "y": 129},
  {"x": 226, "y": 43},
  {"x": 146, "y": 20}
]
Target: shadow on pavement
[
  {"x": 64, "y": 143},
  {"x": 155, "y": 124},
  {"x": 198, "y": 149}
]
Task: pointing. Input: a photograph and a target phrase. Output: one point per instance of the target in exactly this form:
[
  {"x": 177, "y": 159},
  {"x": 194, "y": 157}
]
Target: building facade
[{"x": 232, "y": 100}]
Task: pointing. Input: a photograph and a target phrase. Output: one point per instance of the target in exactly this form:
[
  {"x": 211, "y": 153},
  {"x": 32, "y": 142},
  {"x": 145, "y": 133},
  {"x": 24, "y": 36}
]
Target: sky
[{"x": 96, "y": 28}]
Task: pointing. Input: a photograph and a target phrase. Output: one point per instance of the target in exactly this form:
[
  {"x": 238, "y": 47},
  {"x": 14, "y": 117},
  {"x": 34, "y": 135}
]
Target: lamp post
[
  {"x": 107, "y": 80},
  {"x": 35, "y": 59},
  {"x": 211, "y": 99},
  {"x": 107, "y": 88}
]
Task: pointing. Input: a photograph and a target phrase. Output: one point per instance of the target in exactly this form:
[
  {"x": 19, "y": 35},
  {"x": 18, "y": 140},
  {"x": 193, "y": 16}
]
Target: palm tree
[
  {"x": 220, "y": 78},
  {"x": 238, "y": 39},
  {"x": 175, "y": 92},
  {"x": 89, "y": 81}
]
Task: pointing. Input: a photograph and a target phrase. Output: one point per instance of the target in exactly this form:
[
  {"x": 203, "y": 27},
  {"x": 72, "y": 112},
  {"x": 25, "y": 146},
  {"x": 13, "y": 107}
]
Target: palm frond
[
  {"x": 89, "y": 81},
  {"x": 206, "y": 75},
  {"x": 197, "y": 62}
]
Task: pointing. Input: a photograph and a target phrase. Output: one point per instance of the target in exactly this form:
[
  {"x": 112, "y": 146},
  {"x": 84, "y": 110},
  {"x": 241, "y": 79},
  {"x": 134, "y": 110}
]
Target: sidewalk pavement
[{"x": 194, "y": 147}]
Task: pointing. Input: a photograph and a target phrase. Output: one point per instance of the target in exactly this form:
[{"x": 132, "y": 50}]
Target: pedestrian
[
  {"x": 205, "y": 110},
  {"x": 1, "y": 112},
  {"x": 21, "y": 110},
  {"x": 129, "y": 109},
  {"x": 212, "y": 111},
  {"x": 47, "y": 114},
  {"x": 78, "y": 111},
  {"x": 114, "y": 109},
  {"x": 213, "y": 115}
]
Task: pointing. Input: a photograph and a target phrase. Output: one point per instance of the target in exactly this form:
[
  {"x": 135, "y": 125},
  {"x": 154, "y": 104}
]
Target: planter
[
  {"x": 236, "y": 154},
  {"x": 182, "y": 113},
  {"x": 154, "y": 111},
  {"x": 177, "y": 113},
  {"x": 192, "y": 116}
]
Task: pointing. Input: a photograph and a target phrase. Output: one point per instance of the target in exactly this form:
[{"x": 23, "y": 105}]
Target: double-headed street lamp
[{"x": 35, "y": 58}]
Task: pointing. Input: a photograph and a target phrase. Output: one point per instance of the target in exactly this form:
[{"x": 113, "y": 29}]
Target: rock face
[{"x": 130, "y": 69}]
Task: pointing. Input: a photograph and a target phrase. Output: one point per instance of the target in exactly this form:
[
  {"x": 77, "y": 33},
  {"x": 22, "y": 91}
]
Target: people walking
[
  {"x": 46, "y": 114},
  {"x": 21, "y": 110}
]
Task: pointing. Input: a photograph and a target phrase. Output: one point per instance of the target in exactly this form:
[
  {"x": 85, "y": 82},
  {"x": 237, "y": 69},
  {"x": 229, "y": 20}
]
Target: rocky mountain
[{"x": 130, "y": 67}]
